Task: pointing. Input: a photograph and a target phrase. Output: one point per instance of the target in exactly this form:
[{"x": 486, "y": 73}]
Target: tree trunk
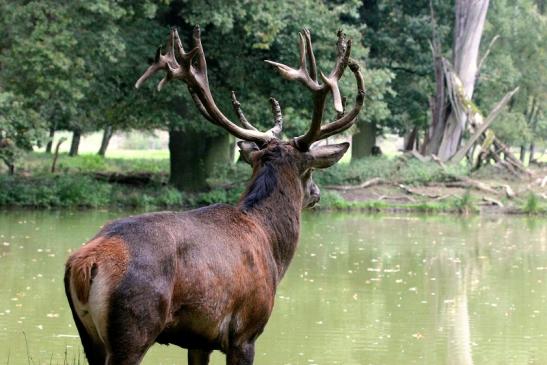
[
  {"x": 469, "y": 24},
  {"x": 532, "y": 153},
  {"x": 56, "y": 155},
  {"x": 194, "y": 155},
  {"x": 411, "y": 140},
  {"x": 522, "y": 153},
  {"x": 438, "y": 106},
  {"x": 50, "y": 141},
  {"x": 75, "y": 144},
  {"x": 11, "y": 167},
  {"x": 107, "y": 134},
  {"x": 533, "y": 121},
  {"x": 363, "y": 141}
]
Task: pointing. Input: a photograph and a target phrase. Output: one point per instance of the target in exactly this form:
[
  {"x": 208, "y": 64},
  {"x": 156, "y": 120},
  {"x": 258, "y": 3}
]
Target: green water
[{"x": 362, "y": 289}]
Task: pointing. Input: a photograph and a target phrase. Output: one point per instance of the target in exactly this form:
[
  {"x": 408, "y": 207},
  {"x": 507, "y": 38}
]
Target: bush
[{"x": 53, "y": 191}]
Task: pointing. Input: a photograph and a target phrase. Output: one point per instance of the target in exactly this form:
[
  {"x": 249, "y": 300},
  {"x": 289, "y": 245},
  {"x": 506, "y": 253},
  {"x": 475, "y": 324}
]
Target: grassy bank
[{"x": 76, "y": 185}]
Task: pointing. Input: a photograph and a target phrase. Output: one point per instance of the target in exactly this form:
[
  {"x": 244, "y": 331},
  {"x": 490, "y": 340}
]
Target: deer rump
[{"x": 144, "y": 277}]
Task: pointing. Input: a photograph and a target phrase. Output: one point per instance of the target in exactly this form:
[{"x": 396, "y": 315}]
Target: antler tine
[
  {"x": 242, "y": 119},
  {"x": 343, "y": 51},
  {"x": 346, "y": 121},
  {"x": 311, "y": 56},
  {"x": 344, "y": 103},
  {"x": 195, "y": 77},
  {"x": 159, "y": 64},
  {"x": 301, "y": 74},
  {"x": 202, "y": 63},
  {"x": 278, "y": 118}
]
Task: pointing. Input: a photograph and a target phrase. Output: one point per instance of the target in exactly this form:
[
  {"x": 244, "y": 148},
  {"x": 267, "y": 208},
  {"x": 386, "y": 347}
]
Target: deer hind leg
[
  {"x": 241, "y": 355},
  {"x": 138, "y": 313},
  {"x": 198, "y": 357}
]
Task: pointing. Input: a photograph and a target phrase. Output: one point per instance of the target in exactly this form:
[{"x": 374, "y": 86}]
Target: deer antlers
[{"x": 180, "y": 65}]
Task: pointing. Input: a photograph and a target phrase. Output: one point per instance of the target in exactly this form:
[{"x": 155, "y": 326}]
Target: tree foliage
[{"x": 72, "y": 65}]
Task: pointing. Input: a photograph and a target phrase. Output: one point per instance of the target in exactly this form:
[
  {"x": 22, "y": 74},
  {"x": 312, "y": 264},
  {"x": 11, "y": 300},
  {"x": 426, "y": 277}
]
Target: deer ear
[
  {"x": 247, "y": 150},
  {"x": 327, "y": 155}
]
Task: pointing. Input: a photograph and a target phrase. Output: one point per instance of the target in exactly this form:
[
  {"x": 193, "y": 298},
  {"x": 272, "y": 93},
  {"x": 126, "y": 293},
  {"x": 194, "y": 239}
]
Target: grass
[
  {"x": 411, "y": 172},
  {"x": 465, "y": 204},
  {"x": 533, "y": 205},
  {"x": 144, "y": 154},
  {"x": 331, "y": 200}
]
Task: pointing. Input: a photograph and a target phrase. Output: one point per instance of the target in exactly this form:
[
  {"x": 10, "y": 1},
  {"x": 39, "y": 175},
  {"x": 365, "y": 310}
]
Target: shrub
[
  {"x": 53, "y": 191},
  {"x": 532, "y": 204}
]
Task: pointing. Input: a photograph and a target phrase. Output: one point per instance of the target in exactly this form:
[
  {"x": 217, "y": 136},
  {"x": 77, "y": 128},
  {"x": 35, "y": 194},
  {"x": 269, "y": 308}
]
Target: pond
[{"x": 362, "y": 289}]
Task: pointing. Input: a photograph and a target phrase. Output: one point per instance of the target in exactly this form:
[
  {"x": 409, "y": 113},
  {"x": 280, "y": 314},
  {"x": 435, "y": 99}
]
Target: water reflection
[{"x": 363, "y": 289}]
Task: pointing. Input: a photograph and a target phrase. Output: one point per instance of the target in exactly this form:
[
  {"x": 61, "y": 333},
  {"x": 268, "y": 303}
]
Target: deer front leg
[
  {"x": 198, "y": 357},
  {"x": 241, "y": 355}
]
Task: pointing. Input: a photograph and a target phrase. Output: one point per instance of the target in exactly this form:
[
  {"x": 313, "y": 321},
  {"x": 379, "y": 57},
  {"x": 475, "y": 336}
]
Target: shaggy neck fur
[{"x": 274, "y": 199}]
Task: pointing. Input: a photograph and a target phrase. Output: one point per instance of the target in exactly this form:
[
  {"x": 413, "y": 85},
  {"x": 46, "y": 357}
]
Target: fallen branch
[
  {"x": 443, "y": 197},
  {"x": 364, "y": 185},
  {"x": 471, "y": 184},
  {"x": 438, "y": 161},
  {"x": 492, "y": 201},
  {"x": 411, "y": 191},
  {"x": 509, "y": 193},
  {"x": 402, "y": 197}
]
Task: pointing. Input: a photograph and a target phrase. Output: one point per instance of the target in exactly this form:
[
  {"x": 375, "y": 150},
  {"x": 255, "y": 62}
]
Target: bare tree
[{"x": 449, "y": 124}]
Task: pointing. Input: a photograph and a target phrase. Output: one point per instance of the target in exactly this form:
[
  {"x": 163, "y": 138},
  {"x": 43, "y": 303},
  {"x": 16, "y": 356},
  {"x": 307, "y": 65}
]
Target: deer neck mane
[{"x": 274, "y": 198}]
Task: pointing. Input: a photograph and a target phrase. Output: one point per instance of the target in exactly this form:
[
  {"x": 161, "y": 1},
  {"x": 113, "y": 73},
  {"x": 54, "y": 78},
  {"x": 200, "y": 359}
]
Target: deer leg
[
  {"x": 198, "y": 357},
  {"x": 241, "y": 355}
]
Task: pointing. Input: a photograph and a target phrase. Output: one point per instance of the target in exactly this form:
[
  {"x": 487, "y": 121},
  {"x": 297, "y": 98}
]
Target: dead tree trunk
[
  {"x": 469, "y": 23},
  {"x": 533, "y": 121}
]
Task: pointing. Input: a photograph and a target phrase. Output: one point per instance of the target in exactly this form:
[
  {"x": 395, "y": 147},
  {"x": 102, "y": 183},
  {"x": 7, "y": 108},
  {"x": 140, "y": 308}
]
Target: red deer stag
[{"x": 205, "y": 279}]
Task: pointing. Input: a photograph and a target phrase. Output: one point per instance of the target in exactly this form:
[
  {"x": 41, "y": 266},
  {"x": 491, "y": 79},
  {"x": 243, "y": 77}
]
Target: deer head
[{"x": 267, "y": 148}]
